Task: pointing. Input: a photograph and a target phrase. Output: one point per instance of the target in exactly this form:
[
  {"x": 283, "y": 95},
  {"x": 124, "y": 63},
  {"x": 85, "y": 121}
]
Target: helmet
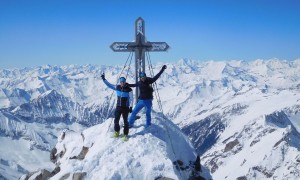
[
  {"x": 142, "y": 74},
  {"x": 122, "y": 79}
]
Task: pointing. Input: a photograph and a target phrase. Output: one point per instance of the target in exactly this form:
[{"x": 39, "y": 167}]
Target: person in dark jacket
[
  {"x": 146, "y": 96},
  {"x": 124, "y": 105}
]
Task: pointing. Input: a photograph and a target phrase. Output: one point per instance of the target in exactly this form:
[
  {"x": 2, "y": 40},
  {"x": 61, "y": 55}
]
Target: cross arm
[
  {"x": 158, "y": 46},
  {"x": 121, "y": 47}
]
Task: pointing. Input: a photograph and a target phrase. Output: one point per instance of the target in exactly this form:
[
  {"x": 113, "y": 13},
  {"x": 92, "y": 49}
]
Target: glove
[
  {"x": 103, "y": 76},
  {"x": 130, "y": 109},
  {"x": 164, "y": 67}
]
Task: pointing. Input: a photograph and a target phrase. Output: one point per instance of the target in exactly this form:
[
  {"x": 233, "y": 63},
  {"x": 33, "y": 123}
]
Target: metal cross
[{"x": 139, "y": 46}]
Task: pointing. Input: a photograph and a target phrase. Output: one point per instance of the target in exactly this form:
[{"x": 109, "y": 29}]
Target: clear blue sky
[{"x": 63, "y": 32}]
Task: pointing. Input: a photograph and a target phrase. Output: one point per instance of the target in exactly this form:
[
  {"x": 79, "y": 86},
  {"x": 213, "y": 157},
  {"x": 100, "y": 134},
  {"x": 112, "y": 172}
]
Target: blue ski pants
[{"x": 147, "y": 104}]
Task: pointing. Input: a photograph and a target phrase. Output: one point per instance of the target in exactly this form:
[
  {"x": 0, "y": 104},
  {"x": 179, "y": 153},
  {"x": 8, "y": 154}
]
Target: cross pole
[{"x": 139, "y": 46}]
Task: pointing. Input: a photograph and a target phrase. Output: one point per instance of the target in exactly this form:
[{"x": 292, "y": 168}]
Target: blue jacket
[{"x": 124, "y": 94}]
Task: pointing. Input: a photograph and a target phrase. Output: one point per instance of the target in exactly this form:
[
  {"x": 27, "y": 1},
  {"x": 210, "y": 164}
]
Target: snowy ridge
[
  {"x": 265, "y": 148},
  {"x": 51, "y": 106},
  {"x": 148, "y": 154},
  {"x": 48, "y": 111},
  {"x": 33, "y": 127}
]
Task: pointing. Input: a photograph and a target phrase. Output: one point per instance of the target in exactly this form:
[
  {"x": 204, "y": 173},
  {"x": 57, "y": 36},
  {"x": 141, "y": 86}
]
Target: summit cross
[{"x": 139, "y": 46}]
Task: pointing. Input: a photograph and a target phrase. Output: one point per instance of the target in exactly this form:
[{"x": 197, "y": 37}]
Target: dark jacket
[
  {"x": 146, "y": 90},
  {"x": 124, "y": 94}
]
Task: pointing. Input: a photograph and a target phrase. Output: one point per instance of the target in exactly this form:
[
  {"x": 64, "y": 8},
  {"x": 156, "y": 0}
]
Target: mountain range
[{"x": 240, "y": 117}]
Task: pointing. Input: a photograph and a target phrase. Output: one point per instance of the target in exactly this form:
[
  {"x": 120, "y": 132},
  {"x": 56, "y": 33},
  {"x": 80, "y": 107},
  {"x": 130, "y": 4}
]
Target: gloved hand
[
  {"x": 164, "y": 67},
  {"x": 103, "y": 76},
  {"x": 130, "y": 109}
]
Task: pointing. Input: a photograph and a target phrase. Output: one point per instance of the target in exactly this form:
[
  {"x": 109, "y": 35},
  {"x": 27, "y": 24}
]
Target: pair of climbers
[{"x": 125, "y": 100}]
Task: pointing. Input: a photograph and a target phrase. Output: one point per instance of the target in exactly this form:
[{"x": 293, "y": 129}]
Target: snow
[
  {"x": 14, "y": 152},
  {"x": 148, "y": 154},
  {"x": 241, "y": 93},
  {"x": 295, "y": 120},
  {"x": 260, "y": 105}
]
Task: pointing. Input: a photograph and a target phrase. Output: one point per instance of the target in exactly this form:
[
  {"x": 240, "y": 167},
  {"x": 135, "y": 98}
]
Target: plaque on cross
[{"x": 139, "y": 46}]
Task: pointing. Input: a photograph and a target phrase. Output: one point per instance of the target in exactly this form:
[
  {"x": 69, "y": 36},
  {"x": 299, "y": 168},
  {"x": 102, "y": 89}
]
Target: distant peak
[{"x": 51, "y": 92}]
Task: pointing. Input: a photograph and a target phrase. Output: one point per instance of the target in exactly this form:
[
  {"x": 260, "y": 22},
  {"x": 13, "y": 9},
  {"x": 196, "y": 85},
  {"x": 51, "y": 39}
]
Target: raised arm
[
  {"x": 158, "y": 74},
  {"x": 107, "y": 83}
]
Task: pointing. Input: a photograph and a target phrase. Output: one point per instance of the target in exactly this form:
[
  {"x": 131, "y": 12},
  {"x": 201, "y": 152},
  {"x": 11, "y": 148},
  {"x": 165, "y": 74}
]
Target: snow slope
[{"x": 148, "y": 154}]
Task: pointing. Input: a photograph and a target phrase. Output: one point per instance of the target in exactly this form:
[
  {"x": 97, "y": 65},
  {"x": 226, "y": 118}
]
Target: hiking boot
[
  {"x": 125, "y": 138},
  {"x": 116, "y": 134}
]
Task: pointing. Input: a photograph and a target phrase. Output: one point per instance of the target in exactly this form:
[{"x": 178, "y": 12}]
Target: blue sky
[{"x": 63, "y": 32}]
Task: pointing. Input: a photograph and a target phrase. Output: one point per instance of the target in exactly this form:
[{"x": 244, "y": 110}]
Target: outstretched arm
[
  {"x": 107, "y": 83},
  {"x": 133, "y": 85},
  {"x": 158, "y": 74}
]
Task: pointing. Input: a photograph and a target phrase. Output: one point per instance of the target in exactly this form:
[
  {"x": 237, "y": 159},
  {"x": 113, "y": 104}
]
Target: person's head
[
  {"x": 122, "y": 81},
  {"x": 142, "y": 76}
]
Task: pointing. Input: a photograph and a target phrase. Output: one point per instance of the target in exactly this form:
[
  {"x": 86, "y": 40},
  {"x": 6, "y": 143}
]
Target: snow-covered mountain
[
  {"x": 238, "y": 115},
  {"x": 160, "y": 151},
  {"x": 29, "y": 131}
]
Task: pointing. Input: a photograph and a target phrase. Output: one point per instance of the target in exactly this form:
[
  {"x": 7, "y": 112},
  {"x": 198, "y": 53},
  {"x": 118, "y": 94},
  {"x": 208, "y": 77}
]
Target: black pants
[{"x": 124, "y": 111}]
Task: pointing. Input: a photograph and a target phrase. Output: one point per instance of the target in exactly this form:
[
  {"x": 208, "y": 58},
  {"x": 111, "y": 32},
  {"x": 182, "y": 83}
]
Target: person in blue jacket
[
  {"x": 146, "y": 96},
  {"x": 124, "y": 105}
]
